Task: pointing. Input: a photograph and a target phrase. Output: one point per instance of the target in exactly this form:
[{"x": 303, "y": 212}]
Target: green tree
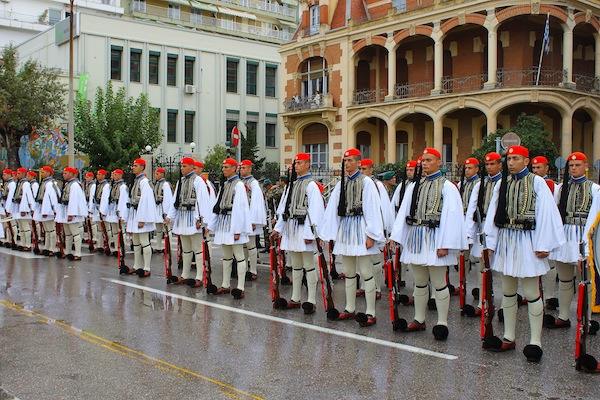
[
  {"x": 250, "y": 147},
  {"x": 214, "y": 158},
  {"x": 115, "y": 129},
  {"x": 30, "y": 97},
  {"x": 533, "y": 136}
]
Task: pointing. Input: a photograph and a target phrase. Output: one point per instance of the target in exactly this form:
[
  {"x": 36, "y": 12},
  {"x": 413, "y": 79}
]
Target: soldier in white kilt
[
  {"x": 231, "y": 225},
  {"x": 110, "y": 209},
  {"x": 101, "y": 197},
  {"x": 47, "y": 201},
  {"x": 141, "y": 219},
  {"x": 164, "y": 199},
  {"x": 22, "y": 210},
  {"x": 10, "y": 185},
  {"x": 189, "y": 211},
  {"x": 432, "y": 233},
  {"x": 353, "y": 219},
  {"x": 306, "y": 206},
  {"x": 522, "y": 227},
  {"x": 71, "y": 211}
]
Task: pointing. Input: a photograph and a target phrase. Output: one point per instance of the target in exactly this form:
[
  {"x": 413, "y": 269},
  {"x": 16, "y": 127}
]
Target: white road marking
[{"x": 286, "y": 321}]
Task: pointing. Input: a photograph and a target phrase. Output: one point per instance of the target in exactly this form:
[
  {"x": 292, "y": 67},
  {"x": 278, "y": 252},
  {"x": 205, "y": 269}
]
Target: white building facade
[{"x": 202, "y": 83}]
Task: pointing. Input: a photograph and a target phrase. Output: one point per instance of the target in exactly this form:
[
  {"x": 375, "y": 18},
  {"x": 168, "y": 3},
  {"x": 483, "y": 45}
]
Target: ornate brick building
[{"x": 393, "y": 77}]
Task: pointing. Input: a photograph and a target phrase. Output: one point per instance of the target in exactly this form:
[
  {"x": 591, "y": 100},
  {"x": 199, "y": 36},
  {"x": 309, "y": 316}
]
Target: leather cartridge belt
[
  {"x": 576, "y": 218},
  {"x": 430, "y": 223},
  {"x": 225, "y": 211},
  {"x": 354, "y": 212},
  {"x": 187, "y": 207},
  {"x": 519, "y": 224},
  {"x": 131, "y": 205}
]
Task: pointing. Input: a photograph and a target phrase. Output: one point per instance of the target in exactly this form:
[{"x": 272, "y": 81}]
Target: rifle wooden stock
[
  {"x": 167, "y": 256},
  {"x": 462, "y": 283},
  {"x": 274, "y": 279},
  {"x": 487, "y": 303}
]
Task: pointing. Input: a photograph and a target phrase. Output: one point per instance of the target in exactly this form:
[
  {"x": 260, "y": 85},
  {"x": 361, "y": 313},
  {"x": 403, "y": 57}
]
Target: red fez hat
[
  {"x": 472, "y": 161},
  {"x": 411, "y": 164},
  {"x": 246, "y": 162},
  {"x": 539, "y": 160},
  {"x": 366, "y": 161},
  {"x": 140, "y": 161},
  {"x": 31, "y": 173},
  {"x": 7, "y": 171},
  {"x": 71, "y": 170},
  {"x": 578, "y": 156},
  {"x": 21, "y": 170},
  {"x": 493, "y": 156},
  {"x": 302, "y": 157},
  {"x": 118, "y": 171},
  {"x": 419, "y": 160},
  {"x": 102, "y": 171},
  {"x": 199, "y": 164},
  {"x": 90, "y": 174},
  {"x": 230, "y": 161},
  {"x": 47, "y": 168},
  {"x": 188, "y": 161},
  {"x": 433, "y": 151},
  {"x": 14, "y": 171},
  {"x": 352, "y": 152},
  {"x": 160, "y": 170},
  {"x": 518, "y": 150}
]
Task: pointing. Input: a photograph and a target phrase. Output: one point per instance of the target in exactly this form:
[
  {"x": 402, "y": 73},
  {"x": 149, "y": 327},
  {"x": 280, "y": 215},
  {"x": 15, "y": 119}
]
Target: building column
[
  {"x": 391, "y": 143},
  {"x": 391, "y": 75},
  {"x": 597, "y": 58},
  {"x": 568, "y": 57},
  {"x": 492, "y": 57},
  {"x": 351, "y": 85},
  {"x": 492, "y": 122},
  {"x": 567, "y": 135},
  {"x": 438, "y": 133},
  {"x": 596, "y": 141},
  {"x": 438, "y": 61}
]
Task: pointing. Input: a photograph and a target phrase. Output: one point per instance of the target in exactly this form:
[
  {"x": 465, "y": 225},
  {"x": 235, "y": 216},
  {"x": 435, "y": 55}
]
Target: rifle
[
  {"x": 288, "y": 199},
  {"x": 123, "y": 269},
  {"x": 210, "y": 287},
  {"x": 487, "y": 293},
  {"x": 403, "y": 178},
  {"x": 61, "y": 241},
  {"x": 88, "y": 227},
  {"x": 167, "y": 258},
  {"x": 34, "y": 236},
  {"x": 285, "y": 280},
  {"x": 342, "y": 203},
  {"x": 564, "y": 193},
  {"x": 394, "y": 284},
  {"x": 105, "y": 237},
  {"x": 275, "y": 279},
  {"x": 415, "y": 194},
  {"x": 332, "y": 313}
]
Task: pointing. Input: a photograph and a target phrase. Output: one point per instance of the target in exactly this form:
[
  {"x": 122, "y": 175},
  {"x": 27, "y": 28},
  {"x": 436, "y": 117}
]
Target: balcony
[
  {"x": 203, "y": 22},
  {"x": 463, "y": 84},
  {"x": 513, "y": 77},
  {"x": 405, "y": 91},
  {"x": 367, "y": 96},
  {"x": 313, "y": 102}
]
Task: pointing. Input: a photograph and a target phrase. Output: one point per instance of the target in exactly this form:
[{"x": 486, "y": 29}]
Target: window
[
  {"x": 318, "y": 155},
  {"x": 315, "y": 20},
  {"x": 270, "y": 72},
  {"x": 54, "y": 16},
  {"x": 116, "y": 55},
  {"x": 172, "y": 69},
  {"x": 139, "y": 5},
  {"x": 196, "y": 16},
  {"x": 135, "y": 58},
  {"x": 174, "y": 11},
  {"x": 153, "y": 61},
  {"x": 251, "y": 76},
  {"x": 232, "y": 75},
  {"x": 172, "y": 126},
  {"x": 233, "y": 116},
  {"x": 270, "y": 134},
  {"x": 189, "y": 126},
  {"x": 189, "y": 70}
]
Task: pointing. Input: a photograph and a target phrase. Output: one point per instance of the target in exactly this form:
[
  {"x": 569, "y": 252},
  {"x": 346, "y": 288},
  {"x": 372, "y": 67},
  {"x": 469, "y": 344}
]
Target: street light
[
  {"x": 148, "y": 149},
  {"x": 193, "y": 146}
]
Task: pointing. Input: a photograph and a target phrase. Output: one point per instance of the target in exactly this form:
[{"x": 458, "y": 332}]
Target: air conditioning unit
[
  {"x": 4, "y": 1},
  {"x": 190, "y": 89}
]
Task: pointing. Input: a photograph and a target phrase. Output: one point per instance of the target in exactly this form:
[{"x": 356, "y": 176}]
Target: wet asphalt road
[{"x": 78, "y": 330}]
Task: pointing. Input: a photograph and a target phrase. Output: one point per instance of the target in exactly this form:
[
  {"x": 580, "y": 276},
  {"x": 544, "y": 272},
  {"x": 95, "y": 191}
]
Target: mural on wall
[{"x": 43, "y": 147}]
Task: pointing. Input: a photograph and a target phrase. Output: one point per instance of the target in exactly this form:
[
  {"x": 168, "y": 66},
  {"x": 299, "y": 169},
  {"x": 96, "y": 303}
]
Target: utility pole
[{"x": 71, "y": 123}]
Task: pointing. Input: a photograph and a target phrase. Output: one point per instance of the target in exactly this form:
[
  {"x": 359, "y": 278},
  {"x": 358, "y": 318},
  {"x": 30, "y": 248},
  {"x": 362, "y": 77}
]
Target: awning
[
  {"x": 290, "y": 2},
  {"x": 288, "y": 24},
  {"x": 205, "y": 7},
  {"x": 235, "y": 13},
  {"x": 180, "y": 2}
]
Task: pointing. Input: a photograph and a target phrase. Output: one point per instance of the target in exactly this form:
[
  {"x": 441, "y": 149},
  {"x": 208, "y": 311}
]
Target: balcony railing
[
  {"x": 298, "y": 103},
  {"x": 586, "y": 82},
  {"x": 369, "y": 96},
  {"x": 513, "y": 77},
  {"x": 200, "y": 21},
  {"x": 462, "y": 84},
  {"x": 405, "y": 91}
]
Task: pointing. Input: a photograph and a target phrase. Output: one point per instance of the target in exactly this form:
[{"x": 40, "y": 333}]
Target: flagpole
[{"x": 544, "y": 39}]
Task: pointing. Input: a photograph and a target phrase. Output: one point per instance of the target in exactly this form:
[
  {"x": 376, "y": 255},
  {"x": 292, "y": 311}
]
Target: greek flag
[{"x": 546, "y": 41}]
